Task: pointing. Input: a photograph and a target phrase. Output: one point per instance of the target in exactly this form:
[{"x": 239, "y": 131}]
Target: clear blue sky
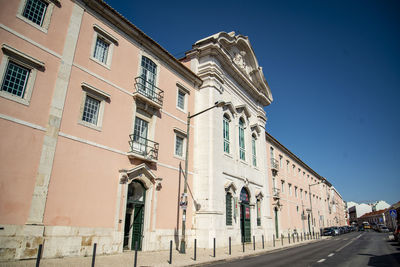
[{"x": 333, "y": 68}]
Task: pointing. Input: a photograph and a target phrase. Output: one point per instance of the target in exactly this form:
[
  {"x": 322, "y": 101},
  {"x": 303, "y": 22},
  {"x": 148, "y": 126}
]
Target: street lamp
[
  {"x": 217, "y": 104},
  {"x": 309, "y": 192}
]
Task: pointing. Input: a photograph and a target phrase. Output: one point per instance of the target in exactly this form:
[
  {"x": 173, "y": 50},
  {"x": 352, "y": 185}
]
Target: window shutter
[{"x": 228, "y": 209}]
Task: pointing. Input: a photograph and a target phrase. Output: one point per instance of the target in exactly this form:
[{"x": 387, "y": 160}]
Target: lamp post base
[{"x": 183, "y": 247}]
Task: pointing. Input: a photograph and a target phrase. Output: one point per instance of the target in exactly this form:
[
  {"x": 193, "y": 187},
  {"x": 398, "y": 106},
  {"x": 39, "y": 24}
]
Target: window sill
[
  {"x": 230, "y": 227},
  {"x": 179, "y": 157},
  {"x": 14, "y": 98},
  {"x": 100, "y": 63},
  {"x": 89, "y": 125},
  {"x": 228, "y": 155},
  {"x": 181, "y": 110},
  {"x": 243, "y": 162},
  {"x": 40, "y": 28}
]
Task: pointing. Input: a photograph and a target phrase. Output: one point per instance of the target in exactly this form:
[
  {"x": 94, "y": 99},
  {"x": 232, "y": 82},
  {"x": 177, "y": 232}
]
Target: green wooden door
[
  {"x": 137, "y": 227},
  {"x": 246, "y": 223}
]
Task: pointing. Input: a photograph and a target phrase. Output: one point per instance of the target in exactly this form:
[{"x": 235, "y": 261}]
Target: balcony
[
  {"x": 148, "y": 93},
  {"x": 274, "y": 166},
  {"x": 142, "y": 148},
  {"x": 276, "y": 193}
]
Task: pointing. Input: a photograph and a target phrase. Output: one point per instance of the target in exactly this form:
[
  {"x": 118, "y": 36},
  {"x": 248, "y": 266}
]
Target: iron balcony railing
[
  {"x": 149, "y": 90},
  {"x": 144, "y": 147},
  {"x": 274, "y": 164},
  {"x": 276, "y": 192}
]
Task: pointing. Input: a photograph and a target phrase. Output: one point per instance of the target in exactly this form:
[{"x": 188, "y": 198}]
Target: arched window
[
  {"x": 242, "y": 151},
  {"x": 258, "y": 212},
  {"x": 253, "y": 149},
  {"x": 226, "y": 133}
]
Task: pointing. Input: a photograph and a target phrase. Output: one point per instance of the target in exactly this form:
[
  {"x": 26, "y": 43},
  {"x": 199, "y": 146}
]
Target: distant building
[
  {"x": 358, "y": 211},
  {"x": 373, "y": 217},
  {"x": 392, "y": 221},
  {"x": 380, "y": 205}
]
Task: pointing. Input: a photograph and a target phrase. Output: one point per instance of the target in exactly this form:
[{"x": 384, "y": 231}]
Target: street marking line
[
  {"x": 339, "y": 249},
  {"x": 321, "y": 260},
  {"x": 330, "y": 255},
  {"x": 345, "y": 239}
]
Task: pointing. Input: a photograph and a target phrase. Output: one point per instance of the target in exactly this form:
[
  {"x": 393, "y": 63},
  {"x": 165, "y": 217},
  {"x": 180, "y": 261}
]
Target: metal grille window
[
  {"x": 15, "y": 79},
  {"x": 179, "y": 146},
  {"x": 253, "y": 145},
  {"x": 91, "y": 110},
  {"x": 101, "y": 50},
  {"x": 35, "y": 11},
  {"x": 226, "y": 134},
  {"x": 242, "y": 151},
  {"x": 228, "y": 200},
  {"x": 181, "y": 99},
  {"x": 258, "y": 212}
]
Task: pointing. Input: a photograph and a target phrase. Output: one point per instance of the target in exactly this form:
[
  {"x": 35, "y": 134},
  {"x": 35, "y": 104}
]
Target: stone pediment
[{"x": 236, "y": 55}]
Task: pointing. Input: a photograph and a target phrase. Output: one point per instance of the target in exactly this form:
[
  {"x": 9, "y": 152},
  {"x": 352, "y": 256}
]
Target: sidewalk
[{"x": 161, "y": 258}]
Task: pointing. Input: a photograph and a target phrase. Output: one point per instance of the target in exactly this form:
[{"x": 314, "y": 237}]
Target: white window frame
[
  {"x": 290, "y": 189},
  {"x": 282, "y": 186},
  {"x": 47, "y": 16},
  {"x": 254, "y": 149},
  {"x": 26, "y": 61},
  {"x": 295, "y": 191},
  {"x": 93, "y": 92},
  {"x": 181, "y": 134},
  {"x": 242, "y": 149},
  {"x": 107, "y": 37},
  {"x": 186, "y": 92},
  {"x": 227, "y": 118}
]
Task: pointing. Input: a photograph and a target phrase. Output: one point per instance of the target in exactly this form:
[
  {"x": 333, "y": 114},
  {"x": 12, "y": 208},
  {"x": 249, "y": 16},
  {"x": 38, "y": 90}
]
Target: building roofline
[
  {"x": 290, "y": 153},
  {"x": 131, "y": 30}
]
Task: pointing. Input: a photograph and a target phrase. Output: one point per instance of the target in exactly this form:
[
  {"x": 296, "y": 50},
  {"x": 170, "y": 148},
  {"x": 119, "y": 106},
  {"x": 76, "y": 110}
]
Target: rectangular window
[
  {"x": 295, "y": 191},
  {"x": 242, "y": 151},
  {"x": 226, "y": 134},
  {"x": 290, "y": 189},
  {"x": 181, "y": 99},
  {"x": 287, "y": 166},
  {"x": 253, "y": 145},
  {"x": 301, "y": 193},
  {"x": 35, "y": 11},
  {"x": 15, "y": 79},
  {"x": 101, "y": 50},
  {"x": 91, "y": 110},
  {"x": 179, "y": 145},
  {"x": 228, "y": 204},
  {"x": 280, "y": 161},
  {"x": 140, "y": 135},
  {"x": 283, "y": 186}
]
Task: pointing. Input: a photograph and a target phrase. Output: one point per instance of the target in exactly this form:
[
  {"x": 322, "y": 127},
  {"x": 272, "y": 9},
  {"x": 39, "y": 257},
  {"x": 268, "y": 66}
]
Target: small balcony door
[
  {"x": 148, "y": 75},
  {"x": 140, "y": 135}
]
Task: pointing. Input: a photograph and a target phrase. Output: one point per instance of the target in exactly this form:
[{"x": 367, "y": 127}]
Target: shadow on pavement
[{"x": 389, "y": 260}]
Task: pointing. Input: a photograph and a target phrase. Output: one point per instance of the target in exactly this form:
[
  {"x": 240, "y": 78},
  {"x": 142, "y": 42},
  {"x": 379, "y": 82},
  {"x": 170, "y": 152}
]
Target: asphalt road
[{"x": 352, "y": 249}]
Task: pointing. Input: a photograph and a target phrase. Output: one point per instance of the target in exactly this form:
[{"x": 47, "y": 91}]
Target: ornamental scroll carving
[{"x": 239, "y": 60}]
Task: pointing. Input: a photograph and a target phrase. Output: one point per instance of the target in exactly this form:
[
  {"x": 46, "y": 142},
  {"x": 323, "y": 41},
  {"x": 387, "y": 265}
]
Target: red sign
[{"x": 247, "y": 213}]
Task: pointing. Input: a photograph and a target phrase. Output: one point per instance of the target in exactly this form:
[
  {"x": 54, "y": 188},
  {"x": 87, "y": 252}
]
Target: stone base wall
[{"x": 22, "y": 241}]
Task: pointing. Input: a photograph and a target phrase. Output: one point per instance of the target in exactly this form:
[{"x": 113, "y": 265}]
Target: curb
[{"x": 234, "y": 258}]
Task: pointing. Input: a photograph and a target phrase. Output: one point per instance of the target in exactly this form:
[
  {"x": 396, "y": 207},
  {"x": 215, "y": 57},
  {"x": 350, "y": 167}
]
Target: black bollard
[
  {"x": 94, "y": 254},
  {"x": 297, "y": 238},
  {"x": 262, "y": 237},
  {"x": 39, "y": 255},
  {"x": 136, "y": 248},
  {"x": 214, "y": 247},
  {"x": 254, "y": 242},
  {"x": 293, "y": 239},
  {"x": 195, "y": 248},
  {"x": 170, "y": 252},
  {"x": 230, "y": 251},
  {"x": 288, "y": 237},
  {"x": 243, "y": 245},
  {"x": 282, "y": 239},
  {"x": 273, "y": 240}
]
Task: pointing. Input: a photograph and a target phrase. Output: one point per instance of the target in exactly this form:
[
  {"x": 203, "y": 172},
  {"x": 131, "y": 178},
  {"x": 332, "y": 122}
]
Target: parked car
[
  {"x": 336, "y": 230},
  {"x": 328, "y": 231},
  {"x": 396, "y": 233},
  {"x": 383, "y": 229}
]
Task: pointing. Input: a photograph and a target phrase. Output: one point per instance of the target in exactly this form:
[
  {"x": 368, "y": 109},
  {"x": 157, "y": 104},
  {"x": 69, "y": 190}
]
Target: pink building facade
[
  {"x": 94, "y": 120},
  {"x": 98, "y": 111},
  {"x": 302, "y": 201}
]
